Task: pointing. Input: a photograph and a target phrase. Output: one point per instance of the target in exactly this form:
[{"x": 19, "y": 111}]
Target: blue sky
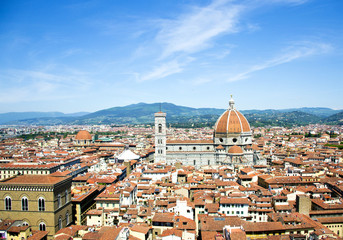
[{"x": 73, "y": 56}]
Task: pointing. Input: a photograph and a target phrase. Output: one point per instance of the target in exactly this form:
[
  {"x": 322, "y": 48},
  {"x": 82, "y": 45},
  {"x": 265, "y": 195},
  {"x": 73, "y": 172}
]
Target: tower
[{"x": 160, "y": 136}]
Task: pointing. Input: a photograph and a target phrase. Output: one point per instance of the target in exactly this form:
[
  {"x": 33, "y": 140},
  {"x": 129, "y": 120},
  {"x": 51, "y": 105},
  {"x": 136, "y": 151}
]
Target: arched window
[
  {"x": 41, "y": 204},
  {"x": 8, "y": 203},
  {"x": 59, "y": 203},
  {"x": 66, "y": 196},
  {"x": 67, "y": 218},
  {"x": 24, "y": 204},
  {"x": 60, "y": 223},
  {"x": 42, "y": 226},
  {"x": 159, "y": 128}
]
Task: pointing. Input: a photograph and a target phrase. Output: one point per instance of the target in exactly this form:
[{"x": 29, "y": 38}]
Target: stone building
[
  {"x": 83, "y": 139},
  {"x": 40, "y": 201},
  {"x": 231, "y": 144}
]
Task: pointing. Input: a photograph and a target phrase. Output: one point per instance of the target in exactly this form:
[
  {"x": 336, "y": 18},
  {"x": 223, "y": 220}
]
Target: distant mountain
[
  {"x": 143, "y": 113},
  {"x": 321, "y": 112},
  {"x": 278, "y": 118},
  {"x": 335, "y": 119},
  {"x": 17, "y": 116}
]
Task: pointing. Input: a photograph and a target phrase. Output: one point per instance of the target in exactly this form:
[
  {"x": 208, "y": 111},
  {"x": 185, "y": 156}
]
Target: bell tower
[{"x": 160, "y": 137}]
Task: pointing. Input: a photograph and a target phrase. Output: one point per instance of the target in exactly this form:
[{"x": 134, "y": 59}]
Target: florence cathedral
[{"x": 231, "y": 144}]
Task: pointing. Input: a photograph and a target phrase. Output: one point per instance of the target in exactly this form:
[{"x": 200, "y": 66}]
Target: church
[{"x": 231, "y": 144}]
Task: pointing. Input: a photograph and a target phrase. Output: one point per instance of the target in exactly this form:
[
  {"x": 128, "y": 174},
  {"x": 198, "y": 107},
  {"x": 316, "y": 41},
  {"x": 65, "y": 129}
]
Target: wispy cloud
[
  {"x": 194, "y": 31},
  {"x": 41, "y": 85},
  {"x": 164, "y": 70},
  {"x": 294, "y": 52},
  {"x": 197, "y": 30}
]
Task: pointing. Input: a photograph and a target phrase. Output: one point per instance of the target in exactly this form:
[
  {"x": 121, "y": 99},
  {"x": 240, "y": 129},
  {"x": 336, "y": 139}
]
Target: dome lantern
[{"x": 231, "y": 103}]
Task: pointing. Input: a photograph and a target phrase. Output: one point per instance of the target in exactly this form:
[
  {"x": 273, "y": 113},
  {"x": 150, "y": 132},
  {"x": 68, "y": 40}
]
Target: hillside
[
  {"x": 335, "y": 119},
  {"x": 180, "y": 116},
  {"x": 15, "y": 116}
]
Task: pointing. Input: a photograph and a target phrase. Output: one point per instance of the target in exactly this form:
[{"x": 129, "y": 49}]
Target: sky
[{"x": 89, "y": 55}]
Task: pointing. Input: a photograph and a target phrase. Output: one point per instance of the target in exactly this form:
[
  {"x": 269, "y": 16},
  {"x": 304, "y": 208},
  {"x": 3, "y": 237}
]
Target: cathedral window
[
  {"x": 194, "y": 148},
  {"x": 159, "y": 128},
  {"x": 59, "y": 202},
  {"x": 8, "y": 203},
  {"x": 24, "y": 204},
  {"x": 66, "y": 196},
  {"x": 41, "y": 204},
  {"x": 60, "y": 222},
  {"x": 234, "y": 140},
  {"x": 42, "y": 226}
]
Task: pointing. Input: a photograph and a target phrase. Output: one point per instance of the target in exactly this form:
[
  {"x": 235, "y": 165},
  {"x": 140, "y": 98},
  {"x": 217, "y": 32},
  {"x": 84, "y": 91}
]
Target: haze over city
[{"x": 73, "y": 56}]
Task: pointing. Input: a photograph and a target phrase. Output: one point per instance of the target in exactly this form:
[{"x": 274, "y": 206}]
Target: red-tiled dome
[
  {"x": 235, "y": 150},
  {"x": 83, "y": 135},
  {"x": 232, "y": 121}
]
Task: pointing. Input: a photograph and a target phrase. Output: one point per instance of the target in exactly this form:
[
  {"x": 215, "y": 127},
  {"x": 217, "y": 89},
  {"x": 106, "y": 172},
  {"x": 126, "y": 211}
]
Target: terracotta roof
[
  {"x": 190, "y": 141},
  {"x": 33, "y": 179},
  {"x": 232, "y": 121},
  {"x": 83, "y": 135},
  {"x": 235, "y": 150}
]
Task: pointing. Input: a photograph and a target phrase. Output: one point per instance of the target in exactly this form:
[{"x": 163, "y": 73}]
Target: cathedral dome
[
  {"x": 83, "y": 135},
  {"x": 232, "y": 122}
]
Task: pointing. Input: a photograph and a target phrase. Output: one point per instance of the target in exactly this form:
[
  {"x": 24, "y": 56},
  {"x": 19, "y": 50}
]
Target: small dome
[
  {"x": 83, "y": 135},
  {"x": 235, "y": 150},
  {"x": 232, "y": 121}
]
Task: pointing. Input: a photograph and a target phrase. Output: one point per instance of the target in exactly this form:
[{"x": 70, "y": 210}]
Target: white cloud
[
  {"x": 194, "y": 31},
  {"x": 162, "y": 71},
  {"x": 27, "y": 85},
  {"x": 296, "y": 51}
]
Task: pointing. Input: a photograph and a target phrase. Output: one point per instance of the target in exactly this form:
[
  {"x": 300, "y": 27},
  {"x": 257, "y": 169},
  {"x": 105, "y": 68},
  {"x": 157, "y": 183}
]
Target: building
[
  {"x": 11, "y": 169},
  {"x": 83, "y": 139},
  {"x": 231, "y": 144},
  {"x": 40, "y": 201}
]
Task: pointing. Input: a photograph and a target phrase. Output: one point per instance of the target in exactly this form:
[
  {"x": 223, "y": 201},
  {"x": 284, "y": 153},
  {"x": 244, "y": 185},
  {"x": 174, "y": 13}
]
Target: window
[
  {"x": 66, "y": 196},
  {"x": 208, "y": 162},
  {"x": 159, "y": 128},
  {"x": 41, "y": 204},
  {"x": 24, "y": 204},
  {"x": 67, "y": 218},
  {"x": 59, "y": 203},
  {"x": 194, "y": 162},
  {"x": 60, "y": 222},
  {"x": 25, "y": 224},
  {"x": 234, "y": 140},
  {"x": 8, "y": 203},
  {"x": 194, "y": 148},
  {"x": 42, "y": 227}
]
